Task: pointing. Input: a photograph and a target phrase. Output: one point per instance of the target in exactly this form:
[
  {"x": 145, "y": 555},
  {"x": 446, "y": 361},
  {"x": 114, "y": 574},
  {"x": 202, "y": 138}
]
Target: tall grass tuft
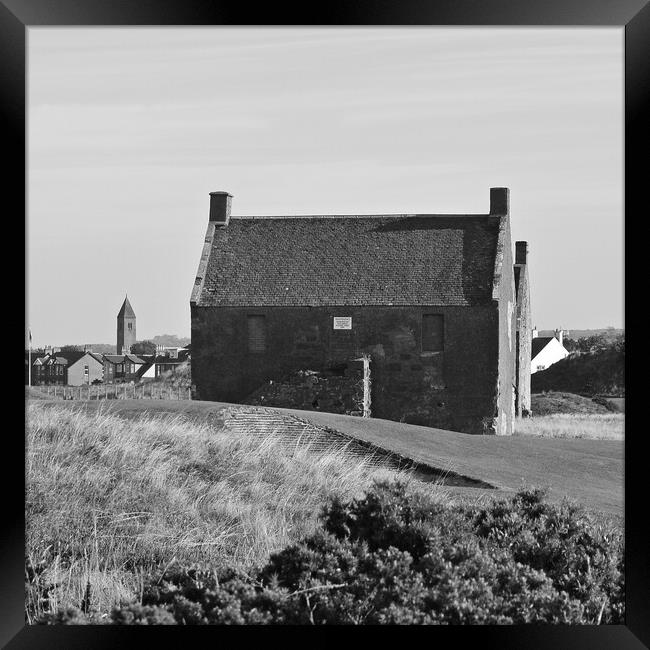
[
  {"x": 594, "y": 426},
  {"x": 112, "y": 501}
]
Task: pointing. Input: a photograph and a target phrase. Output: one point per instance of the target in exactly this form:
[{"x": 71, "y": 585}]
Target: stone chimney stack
[
  {"x": 559, "y": 335},
  {"x": 220, "y": 208},
  {"x": 521, "y": 252},
  {"x": 499, "y": 201},
  {"x": 535, "y": 332}
]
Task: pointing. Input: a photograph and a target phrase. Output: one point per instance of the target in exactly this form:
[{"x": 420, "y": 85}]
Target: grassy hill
[
  {"x": 601, "y": 372},
  {"x": 569, "y": 403},
  {"x": 110, "y": 500},
  {"x": 181, "y": 377},
  {"x": 564, "y": 465},
  {"x": 123, "y": 495}
]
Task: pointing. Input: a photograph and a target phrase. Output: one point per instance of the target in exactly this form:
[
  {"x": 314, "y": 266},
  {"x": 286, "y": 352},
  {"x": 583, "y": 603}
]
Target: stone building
[
  {"x": 430, "y": 297},
  {"x": 125, "y": 328}
]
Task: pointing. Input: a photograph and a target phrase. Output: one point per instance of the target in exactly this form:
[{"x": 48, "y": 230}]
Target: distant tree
[
  {"x": 595, "y": 343},
  {"x": 589, "y": 343},
  {"x": 71, "y": 348},
  {"x": 570, "y": 345},
  {"x": 144, "y": 347},
  {"x": 619, "y": 343}
]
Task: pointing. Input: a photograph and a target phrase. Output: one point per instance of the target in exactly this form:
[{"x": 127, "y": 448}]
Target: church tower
[{"x": 125, "y": 328}]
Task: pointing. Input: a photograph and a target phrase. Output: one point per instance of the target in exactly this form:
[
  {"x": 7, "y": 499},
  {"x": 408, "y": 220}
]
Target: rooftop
[{"x": 326, "y": 260}]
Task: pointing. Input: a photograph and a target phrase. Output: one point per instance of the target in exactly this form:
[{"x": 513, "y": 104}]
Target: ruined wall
[
  {"x": 453, "y": 389},
  {"x": 310, "y": 390},
  {"x": 524, "y": 341},
  {"x": 505, "y": 413}
]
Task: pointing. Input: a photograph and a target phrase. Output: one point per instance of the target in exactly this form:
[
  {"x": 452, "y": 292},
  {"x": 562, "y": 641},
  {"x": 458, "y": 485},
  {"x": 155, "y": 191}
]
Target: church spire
[
  {"x": 125, "y": 327},
  {"x": 126, "y": 311}
]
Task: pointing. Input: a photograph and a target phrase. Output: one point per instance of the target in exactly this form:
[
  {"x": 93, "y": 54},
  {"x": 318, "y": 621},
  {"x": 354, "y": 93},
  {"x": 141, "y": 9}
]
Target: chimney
[
  {"x": 499, "y": 201},
  {"x": 521, "y": 252},
  {"x": 220, "y": 208},
  {"x": 559, "y": 335},
  {"x": 535, "y": 332}
]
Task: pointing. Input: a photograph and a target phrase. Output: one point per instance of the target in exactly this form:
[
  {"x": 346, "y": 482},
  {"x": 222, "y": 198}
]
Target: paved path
[{"x": 590, "y": 471}]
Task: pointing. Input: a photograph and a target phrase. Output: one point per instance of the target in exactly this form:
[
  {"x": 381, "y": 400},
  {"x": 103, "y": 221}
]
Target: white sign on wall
[{"x": 342, "y": 322}]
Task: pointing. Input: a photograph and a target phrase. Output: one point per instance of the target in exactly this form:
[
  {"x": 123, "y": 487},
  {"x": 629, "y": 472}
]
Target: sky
[{"x": 129, "y": 129}]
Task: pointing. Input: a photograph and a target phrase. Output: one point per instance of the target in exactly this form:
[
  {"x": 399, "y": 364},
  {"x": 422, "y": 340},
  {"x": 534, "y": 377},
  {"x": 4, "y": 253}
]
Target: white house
[{"x": 547, "y": 350}]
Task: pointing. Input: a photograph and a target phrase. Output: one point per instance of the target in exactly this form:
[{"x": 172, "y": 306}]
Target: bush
[
  {"x": 607, "y": 404},
  {"x": 395, "y": 557}
]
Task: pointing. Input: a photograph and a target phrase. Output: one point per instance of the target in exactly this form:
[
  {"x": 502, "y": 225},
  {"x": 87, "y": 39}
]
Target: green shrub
[{"x": 394, "y": 557}]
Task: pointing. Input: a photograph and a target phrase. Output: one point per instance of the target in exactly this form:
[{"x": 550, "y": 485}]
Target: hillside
[
  {"x": 609, "y": 333},
  {"x": 600, "y": 372},
  {"x": 169, "y": 340},
  {"x": 157, "y": 488},
  {"x": 568, "y": 403},
  {"x": 566, "y": 466},
  {"x": 136, "y": 504}
]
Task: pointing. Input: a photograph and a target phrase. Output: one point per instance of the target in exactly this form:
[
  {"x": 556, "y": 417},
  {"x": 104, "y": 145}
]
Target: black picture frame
[{"x": 632, "y": 15}]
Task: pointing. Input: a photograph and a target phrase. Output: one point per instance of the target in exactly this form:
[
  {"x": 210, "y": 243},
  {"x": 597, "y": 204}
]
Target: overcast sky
[{"x": 129, "y": 129}]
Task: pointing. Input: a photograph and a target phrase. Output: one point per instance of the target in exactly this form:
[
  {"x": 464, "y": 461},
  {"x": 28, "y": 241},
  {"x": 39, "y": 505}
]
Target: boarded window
[
  {"x": 432, "y": 333},
  {"x": 257, "y": 333}
]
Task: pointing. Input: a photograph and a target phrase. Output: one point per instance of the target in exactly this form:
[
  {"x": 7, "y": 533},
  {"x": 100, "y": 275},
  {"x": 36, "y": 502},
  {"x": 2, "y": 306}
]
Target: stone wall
[
  {"x": 524, "y": 330},
  {"x": 456, "y": 388},
  {"x": 310, "y": 390},
  {"x": 504, "y": 411}
]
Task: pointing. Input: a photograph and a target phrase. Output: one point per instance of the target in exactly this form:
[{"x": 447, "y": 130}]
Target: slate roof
[
  {"x": 539, "y": 343},
  {"x": 126, "y": 311},
  {"x": 114, "y": 358},
  {"x": 352, "y": 260},
  {"x": 72, "y": 356},
  {"x": 122, "y": 358}
]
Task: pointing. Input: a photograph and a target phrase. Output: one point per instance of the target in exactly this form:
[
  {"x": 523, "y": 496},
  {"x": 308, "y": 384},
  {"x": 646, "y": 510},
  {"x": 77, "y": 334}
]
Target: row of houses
[
  {"x": 53, "y": 366},
  {"x": 79, "y": 368}
]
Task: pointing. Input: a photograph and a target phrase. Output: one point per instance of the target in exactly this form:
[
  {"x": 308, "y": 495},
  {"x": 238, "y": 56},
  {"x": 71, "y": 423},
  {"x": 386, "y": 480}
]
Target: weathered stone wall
[
  {"x": 311, "y": 390},
  {"x": 452, "y": 389},
  {"x": 524, "y": 342},
  {"x": 505, "y": 405}
]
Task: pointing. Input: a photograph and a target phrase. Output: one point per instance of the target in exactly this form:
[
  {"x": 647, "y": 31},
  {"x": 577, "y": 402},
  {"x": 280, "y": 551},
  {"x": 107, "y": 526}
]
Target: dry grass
[
  {"x": 561, "y": 425},
  {"x": 111, "y": 501}
]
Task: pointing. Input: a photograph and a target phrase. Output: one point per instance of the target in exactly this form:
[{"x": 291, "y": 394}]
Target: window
[
  {"x": 256, "y": 333},
  {"x": 432, "y": 333},
  {"x": 130, "y": 326}
]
